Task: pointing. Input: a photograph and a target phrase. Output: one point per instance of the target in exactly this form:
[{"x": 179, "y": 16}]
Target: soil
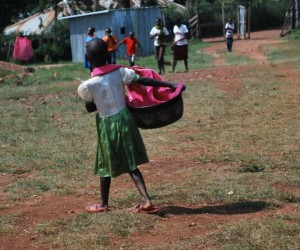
[{"x": 180, "y": 221}]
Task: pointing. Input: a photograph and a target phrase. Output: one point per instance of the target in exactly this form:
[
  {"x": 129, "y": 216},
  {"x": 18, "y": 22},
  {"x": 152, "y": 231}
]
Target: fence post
[
  {"x": 223, "y": 19},
  {"x": 249, "y": 18}
]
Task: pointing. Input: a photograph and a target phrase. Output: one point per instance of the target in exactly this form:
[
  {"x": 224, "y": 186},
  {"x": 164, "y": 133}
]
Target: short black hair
[
  {"x": 96, "y": 51},
  {"x": 178, "y": 21},
  {"x": 91, "y": 29}
]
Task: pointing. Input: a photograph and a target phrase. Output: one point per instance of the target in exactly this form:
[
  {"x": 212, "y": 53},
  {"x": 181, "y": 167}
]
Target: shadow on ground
[{"x": 233, "y": 208}]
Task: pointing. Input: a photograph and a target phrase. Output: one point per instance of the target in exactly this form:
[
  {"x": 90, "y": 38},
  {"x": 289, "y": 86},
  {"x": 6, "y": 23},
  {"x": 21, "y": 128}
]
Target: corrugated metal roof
[
  {"x": 87, "y": 14},
  {"x": 36, "y": 24}
]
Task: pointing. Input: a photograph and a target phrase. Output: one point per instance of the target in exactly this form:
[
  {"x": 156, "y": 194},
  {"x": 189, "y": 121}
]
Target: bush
[
  {"x": 6, "y": 48},
  {"x": 55, "y": 46}
]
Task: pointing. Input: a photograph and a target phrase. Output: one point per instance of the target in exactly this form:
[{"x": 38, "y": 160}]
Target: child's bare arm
[{"x": 156, "y": 83}]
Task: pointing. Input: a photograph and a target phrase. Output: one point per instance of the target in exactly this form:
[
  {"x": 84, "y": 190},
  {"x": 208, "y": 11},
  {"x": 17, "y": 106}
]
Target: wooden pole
[
  {"x": 95, "y": 5},
  {"x": 223, "y": 19},
  {"x": 297, "y": 24},
  {"x": 249, "y": 19},
  {"x": 8, "y": 51},
  {"x": 238, "y": 20},
  {"x": 199, "y": 34}
]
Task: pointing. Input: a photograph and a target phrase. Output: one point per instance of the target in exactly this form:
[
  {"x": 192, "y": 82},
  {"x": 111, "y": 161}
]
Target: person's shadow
[{"x": 233, "y": 208}]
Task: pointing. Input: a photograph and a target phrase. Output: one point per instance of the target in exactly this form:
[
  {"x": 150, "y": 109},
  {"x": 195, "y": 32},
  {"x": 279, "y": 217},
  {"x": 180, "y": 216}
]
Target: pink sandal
[
  {"x": 96, "y": 208},
  {"x": 149, "y": 210}
]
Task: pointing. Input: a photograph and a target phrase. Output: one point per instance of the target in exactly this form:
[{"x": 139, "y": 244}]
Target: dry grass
[{"x": 232, "y": 150}]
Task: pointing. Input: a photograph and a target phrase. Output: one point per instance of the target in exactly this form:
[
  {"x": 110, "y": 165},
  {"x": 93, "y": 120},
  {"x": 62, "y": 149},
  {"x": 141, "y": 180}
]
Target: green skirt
[{"x": 120, "y": 146}]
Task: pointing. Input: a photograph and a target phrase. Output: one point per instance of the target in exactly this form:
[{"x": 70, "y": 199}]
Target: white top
[
  {"x": 229, "y": 29},
  {"x": 155, "y": 31},
  {"x": 107, "y": 91},
  {"x": 179, "y": 33}
]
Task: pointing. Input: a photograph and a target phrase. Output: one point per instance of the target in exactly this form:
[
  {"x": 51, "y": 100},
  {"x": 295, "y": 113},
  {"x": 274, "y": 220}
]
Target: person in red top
[{"x": 131, "y": 47}]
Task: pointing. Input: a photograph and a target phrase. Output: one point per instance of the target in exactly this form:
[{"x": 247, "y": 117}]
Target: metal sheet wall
[{"x": 139, "y": 21}]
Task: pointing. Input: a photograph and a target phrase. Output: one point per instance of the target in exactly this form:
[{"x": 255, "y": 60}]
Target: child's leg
[
  {"x": 139, "y": 182},
  {"x": 114, "y": 57},
  {"x": 156, "y": 54},
  {"x": 104, "y": 190},
  {"x": 129, "y": 60},
  {"x": 231, "y": 42},
  {"x": 160, "y": 52},
  {"x": 162, "y": 59},
  {"x": 174, "y": 65},
  {"x": 186, "y": 64},
  {"x": 132, "y": 57},
  {"x": 228, "y": 44}
]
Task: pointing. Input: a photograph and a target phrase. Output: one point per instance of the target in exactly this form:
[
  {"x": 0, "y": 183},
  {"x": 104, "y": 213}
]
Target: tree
[
  {"x": 10, "y": 10},
  {"x": 15, "y": 10}
]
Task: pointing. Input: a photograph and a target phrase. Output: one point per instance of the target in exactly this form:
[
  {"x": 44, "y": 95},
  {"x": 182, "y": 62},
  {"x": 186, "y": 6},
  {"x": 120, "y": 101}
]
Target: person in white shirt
[
  {"x": 159, "y": 33},
  {"x": 229, "y": 29},
  {"x": 180, "y": 44},
  {"x": 120, "y": 146}
]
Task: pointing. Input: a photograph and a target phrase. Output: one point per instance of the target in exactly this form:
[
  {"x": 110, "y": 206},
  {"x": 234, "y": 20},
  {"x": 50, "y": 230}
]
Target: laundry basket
[{"x": 166, "y": 107}]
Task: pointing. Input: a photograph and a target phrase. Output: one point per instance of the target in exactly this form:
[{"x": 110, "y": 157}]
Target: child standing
[
  {"x": 180, "y": 44},
  {"x": 159, "y": 34},
  {"x": 229, "y": 29},
  {"x": 120, "y": 146},
  {"x": 90, "y": 36},
  {"x": 111, "y": 41},
  {"x": 131, "y": 47}
]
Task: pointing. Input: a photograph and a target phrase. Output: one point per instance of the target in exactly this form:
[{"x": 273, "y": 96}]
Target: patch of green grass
[
  {"x": 220, "y": 184},
  {"x": 7, "y": 224},
  {"x": 240, "y": 126},
  {"x": 286, "y": 52},
  {"x": 43, "y": 81},
  {"x": 235, "y": 59},
  {"x": 44, "y": 75},
  {"x": 267, "y": 233},
  {"x": 252, "y": 169},
  {"x": 294, "y": 35},
  {"x": 27, "y": 187},
  {"x": 197, "y": 58},
  {"x": 94, "y": 230},
  {"x": 288, "y": 196}
]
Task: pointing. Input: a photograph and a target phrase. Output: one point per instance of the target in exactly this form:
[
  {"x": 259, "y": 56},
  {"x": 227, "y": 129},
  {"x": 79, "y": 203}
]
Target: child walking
[
  {"x": 120, "y": 146},
  {"x": 131, "y": 47}
]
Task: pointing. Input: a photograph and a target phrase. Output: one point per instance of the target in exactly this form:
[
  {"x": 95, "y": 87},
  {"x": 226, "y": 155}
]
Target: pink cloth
[
  {"x": 139, "y": 95},
  {"x": 105, "y": 69},
  {"x": 22, "y": 49},
  {"x": 145, "y": 96}
]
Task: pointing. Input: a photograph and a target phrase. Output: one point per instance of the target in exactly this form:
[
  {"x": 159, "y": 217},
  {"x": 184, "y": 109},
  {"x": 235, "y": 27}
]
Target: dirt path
[
  {"x": 248, "y": 47},
  {"x": 221, "y": 74},
  {"x": 180, "y": 221}
]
